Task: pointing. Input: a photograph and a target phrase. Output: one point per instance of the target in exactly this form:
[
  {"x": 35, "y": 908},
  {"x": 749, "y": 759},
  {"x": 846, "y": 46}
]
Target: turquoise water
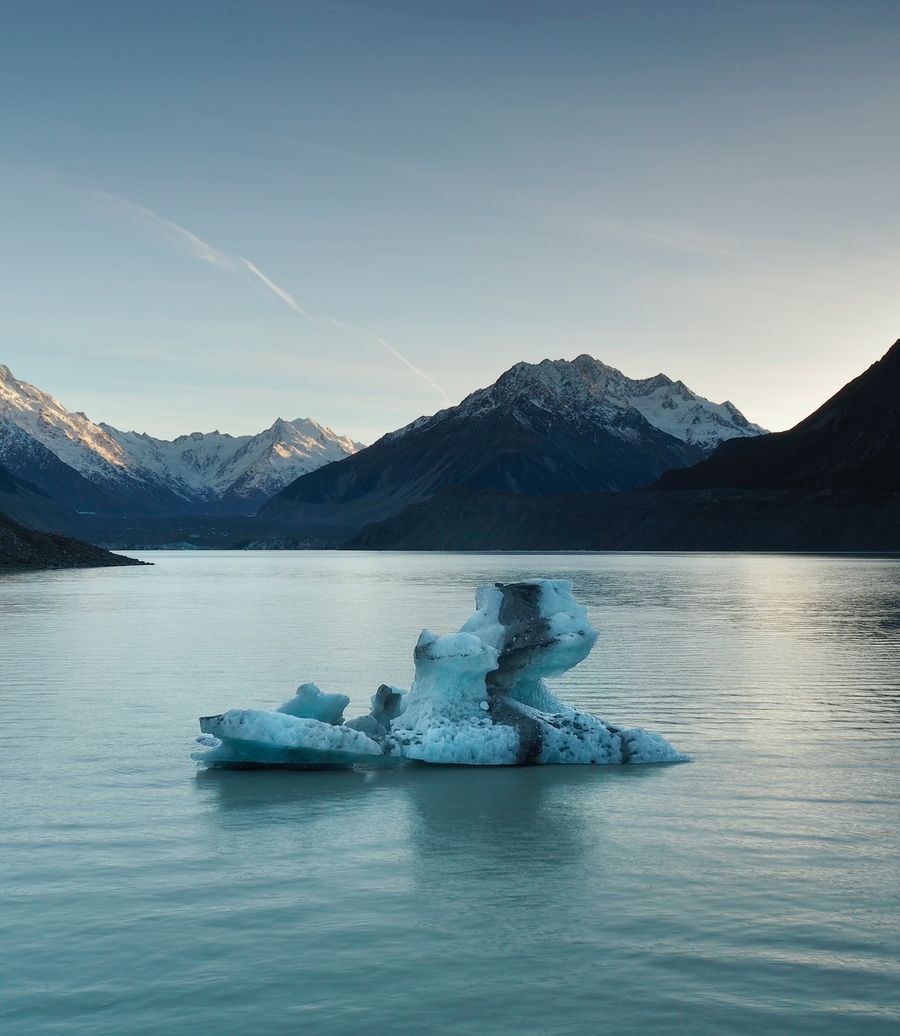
[{"x": 757, "y": 888}]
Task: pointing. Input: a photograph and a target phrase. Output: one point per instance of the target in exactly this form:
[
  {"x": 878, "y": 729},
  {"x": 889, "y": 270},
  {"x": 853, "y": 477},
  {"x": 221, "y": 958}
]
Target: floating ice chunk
[
  {"x": 449, "y": 684},
  {"x": 312, "y": 703},
  {"x": 387, "y": 704},
  {"x": 468, "y": 743},
  {"x": 445, "y": 719},
  {"x": 539, "y": 630},
  {"x": 250, "y": 735},
  {"x": 576, "y": 737},
  {"x": 279, "y": 728},
  {"x": 479, "y": 697},
  {"x": 648, "y": 746}
]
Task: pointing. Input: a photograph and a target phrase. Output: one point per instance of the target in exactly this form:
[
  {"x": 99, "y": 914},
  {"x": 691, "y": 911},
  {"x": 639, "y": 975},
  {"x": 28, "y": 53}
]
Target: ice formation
[{"x": 479, "y": 697}]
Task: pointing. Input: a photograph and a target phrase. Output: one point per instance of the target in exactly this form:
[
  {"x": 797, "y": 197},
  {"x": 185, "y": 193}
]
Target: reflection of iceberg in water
[{"x": 479, "y": 697}]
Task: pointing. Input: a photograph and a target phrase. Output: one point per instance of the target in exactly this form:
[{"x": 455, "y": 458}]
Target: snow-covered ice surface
[{"x": 479, "y": 698}]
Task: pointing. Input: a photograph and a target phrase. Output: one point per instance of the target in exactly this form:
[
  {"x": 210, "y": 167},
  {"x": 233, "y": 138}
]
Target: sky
[{"x": 216, "y": 214}]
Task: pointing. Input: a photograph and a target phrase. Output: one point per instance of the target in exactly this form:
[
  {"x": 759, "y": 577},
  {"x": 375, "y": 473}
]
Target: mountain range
[
  {"x": 555, "y": 455},
  {"x": 832, "y": 482},
  {"x": 99, "y": 469},
  {"x": 558, "y": 426}
]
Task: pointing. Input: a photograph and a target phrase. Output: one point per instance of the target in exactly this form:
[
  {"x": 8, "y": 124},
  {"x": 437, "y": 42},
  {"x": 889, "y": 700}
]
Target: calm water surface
[{"x": 755, "y": 889}]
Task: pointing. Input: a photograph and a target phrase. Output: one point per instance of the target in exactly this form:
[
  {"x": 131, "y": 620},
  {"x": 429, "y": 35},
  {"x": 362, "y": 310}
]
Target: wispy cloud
[
  {"x": 194, "y": 246},
  {"x": 286, "y": 297},
  {"x": 178, "y": 236},
  {"x": 364, "y": 334},
  {"x": 417, "y": 371}
]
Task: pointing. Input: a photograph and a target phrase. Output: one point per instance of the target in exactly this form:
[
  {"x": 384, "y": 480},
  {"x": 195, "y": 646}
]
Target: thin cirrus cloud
[
  {"x": 194, "y": 246},
  {"x": 286, "y": 297}
]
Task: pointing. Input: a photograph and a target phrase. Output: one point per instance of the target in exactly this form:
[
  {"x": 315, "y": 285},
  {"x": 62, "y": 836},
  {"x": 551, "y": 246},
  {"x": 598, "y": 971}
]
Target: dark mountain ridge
[
  {"x": 29, "y": 505},
  {"x": 540, "y": 430},
  {"x": 830, "y": 483},
  {"x": 643, "y": 519},
  {"x": 852, "y": 442}
]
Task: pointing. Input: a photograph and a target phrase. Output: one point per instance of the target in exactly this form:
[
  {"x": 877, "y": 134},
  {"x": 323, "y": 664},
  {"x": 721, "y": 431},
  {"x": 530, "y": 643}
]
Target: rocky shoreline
[{"x": 24, "y": 549}]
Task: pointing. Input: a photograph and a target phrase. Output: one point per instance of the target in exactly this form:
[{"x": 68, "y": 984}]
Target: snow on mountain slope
[
  {"x": 604, "y": 394},
  {"x": 672, "y": 407},
  {"x": 270, "y": 460},
  {"x": 547, "y": 429},
  {"x": 198, "y": 469},
  {"x": 74, "y": 438},
  {"x": 209, "y": 465}
]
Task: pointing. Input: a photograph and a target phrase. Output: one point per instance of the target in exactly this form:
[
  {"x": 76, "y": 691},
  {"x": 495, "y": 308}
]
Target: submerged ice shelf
[{"x": 479, "y": 698}]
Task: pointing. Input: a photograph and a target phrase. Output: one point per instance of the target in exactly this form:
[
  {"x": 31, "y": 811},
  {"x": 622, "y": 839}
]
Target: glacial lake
[{"x": 755, "y": 889}]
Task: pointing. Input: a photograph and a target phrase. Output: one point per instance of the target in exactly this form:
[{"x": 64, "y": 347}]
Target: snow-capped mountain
[
  {"x": 96, "y": 467},
  {"x": 555, "y": 427},
  {"x": 830, "y": 483},
  {"x": 216, "y": 465},
  {"x": 595, "y": 389},
  {"x": 73, "y": 438}
]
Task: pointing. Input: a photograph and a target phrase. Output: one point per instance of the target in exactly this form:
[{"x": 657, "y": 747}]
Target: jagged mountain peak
[
  {"x": 72, "y": 437},
  {"x": 599, "y": 392},
  {"x": 307, "y": 430},
  {"x": 558, "y": 426},
  {"x": 193, "y": 470}
]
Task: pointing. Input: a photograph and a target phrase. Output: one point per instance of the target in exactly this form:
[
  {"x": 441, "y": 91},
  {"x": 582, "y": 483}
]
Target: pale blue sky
[{"x": 706, "y": 189}]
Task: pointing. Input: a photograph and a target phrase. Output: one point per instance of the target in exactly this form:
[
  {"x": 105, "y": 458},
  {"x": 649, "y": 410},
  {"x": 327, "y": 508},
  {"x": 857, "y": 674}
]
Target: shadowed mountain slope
[
  {"x": 830, "y": 483},
  {"x": 852, "y": 442},
  {"x": 701, "y": 520},
  {"x": 26, "y": 503},
  {"x": 541, "y": 429}
]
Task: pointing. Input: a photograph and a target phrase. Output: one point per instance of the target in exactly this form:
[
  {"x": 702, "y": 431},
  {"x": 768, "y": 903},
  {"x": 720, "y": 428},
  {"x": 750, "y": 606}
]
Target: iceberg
[{"x": 479, "y": 698}]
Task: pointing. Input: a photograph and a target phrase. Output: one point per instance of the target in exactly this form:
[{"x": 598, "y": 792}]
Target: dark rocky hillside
[
  {"x": 830, "y": 483},
  {"x": 27, "y": 504},
  {"x": 22, "y": 548},
  {"x": 852, "y": 442},
  {"x": 541, "y": 429},
  {"x": 701, "y": 520}
]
